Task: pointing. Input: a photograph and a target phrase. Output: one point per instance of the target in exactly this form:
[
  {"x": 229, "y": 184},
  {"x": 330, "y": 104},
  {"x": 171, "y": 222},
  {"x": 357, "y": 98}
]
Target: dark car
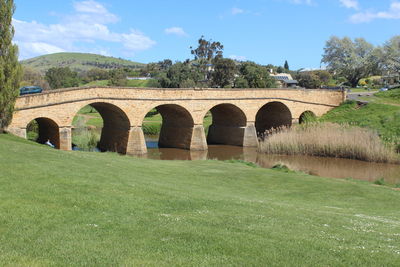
[{"x": 30, "y": 90}]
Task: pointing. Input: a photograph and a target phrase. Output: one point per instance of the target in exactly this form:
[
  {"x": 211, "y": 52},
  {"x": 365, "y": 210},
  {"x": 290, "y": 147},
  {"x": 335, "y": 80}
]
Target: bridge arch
[
  {"x": 116, "y": 127},
  {"x": 177, "y": 126},
  {"x": 46, "y": 129},
  {"x": 272, "y": 115},
  {"x": 306, "y": 116},
  {"x": 227, "y": 126}
]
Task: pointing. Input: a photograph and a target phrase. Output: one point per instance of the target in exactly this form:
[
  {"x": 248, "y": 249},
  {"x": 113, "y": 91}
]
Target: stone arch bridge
[{"x": 239, "y": 115}]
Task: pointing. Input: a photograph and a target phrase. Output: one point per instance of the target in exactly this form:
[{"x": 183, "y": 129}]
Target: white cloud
[
  {"x": 88, "y": 25},
  {"x": 175, "y": 31},
  {"x": 236, "y": 11},
  {"x": 350, "y": 3},
  {"x": 367, "y": 16},
  {"x": 238, "y": 58}
]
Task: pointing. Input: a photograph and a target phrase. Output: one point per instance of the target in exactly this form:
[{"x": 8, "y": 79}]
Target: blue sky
[{"x": 264, "y": 31}]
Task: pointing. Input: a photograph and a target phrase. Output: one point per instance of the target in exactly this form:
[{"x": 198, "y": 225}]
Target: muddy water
[{"x": 326, "y": 167}]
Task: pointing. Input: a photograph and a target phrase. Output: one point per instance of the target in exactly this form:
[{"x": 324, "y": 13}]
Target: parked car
[{"x": 30, "y": 90}]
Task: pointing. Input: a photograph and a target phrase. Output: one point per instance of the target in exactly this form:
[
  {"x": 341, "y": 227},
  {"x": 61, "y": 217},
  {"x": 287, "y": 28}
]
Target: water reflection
[{"x": 326, "y": 167}]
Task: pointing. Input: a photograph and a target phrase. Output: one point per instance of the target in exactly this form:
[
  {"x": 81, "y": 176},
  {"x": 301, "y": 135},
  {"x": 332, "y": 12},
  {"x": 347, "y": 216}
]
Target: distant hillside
[{"x": 78, "y": 62}]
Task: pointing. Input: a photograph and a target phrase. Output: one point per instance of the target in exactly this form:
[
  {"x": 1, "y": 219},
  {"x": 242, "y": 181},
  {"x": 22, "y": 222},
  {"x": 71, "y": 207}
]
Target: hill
[
  {"x": 61, "y": 208},
  {"x": 78, "y": 62}
]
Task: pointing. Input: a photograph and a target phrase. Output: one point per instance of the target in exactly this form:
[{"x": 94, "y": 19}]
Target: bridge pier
[
  {"x": 233, "y": 135},
  {"x": 65, "y": 138},
  {"x": 136, "y": 142},
  {"x": 198, "y": 142},
  {"x": 250, "y": 138}
]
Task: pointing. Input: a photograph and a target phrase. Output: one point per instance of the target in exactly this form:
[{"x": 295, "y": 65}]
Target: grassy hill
[
  {"x": 382, "y": 113},
  {"x": 62, "y": 208},
  {"x": 77, "y": 62}
]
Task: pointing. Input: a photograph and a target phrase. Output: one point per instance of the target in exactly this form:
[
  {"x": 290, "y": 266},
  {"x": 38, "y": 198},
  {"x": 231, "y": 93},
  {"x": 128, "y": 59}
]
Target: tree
[
  {"x": 280, "y": 70},
  {"x": 32, "y": 77},
  {"x": 117, "y": 78},
  {"x": 62, "y": 78},
  {"x": 286, "y": 65},
  {"x": 241, "y": 82},
  {"x": 309, "y": 80},
  {"x": 257, "y": 76},
  {"x": 10, "y": 69},
  {"x": 95, "y": 74},
  {"x": 352, "y": 60},
  {"x": 324, "y": 76},
  {"x": 207, "y": 50},
  {"x": 165, "y": 64},
  {"x": 205, "y": 54},
  {"x": 224, "y": 72},
  {"x": 391, "y": 55}
]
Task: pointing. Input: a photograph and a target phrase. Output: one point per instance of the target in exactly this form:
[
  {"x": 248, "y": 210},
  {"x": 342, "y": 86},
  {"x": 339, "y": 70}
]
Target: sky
[{"x": 263, "y": 31}]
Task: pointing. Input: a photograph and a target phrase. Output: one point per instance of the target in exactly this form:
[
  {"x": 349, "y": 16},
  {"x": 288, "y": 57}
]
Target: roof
[{"x": 291, "y": 81}]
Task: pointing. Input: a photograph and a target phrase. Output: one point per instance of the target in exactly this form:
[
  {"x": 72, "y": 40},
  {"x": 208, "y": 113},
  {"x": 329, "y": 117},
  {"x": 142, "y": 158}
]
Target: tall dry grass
[{"x": 328, "y": 140}]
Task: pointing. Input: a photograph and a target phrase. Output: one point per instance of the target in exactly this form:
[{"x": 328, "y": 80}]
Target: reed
[{"x": 328, "y": 140}]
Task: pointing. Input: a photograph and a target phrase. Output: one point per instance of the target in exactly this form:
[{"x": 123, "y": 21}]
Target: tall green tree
[
  {"x": 10, "y": 69},
  {"x": 205, "y": 54},
  {"x": 286, "y": 65},
  {"x": 391, "y": 55},
  {"x": 224, "y": 72},
  {"x": 350, "y": 59}
]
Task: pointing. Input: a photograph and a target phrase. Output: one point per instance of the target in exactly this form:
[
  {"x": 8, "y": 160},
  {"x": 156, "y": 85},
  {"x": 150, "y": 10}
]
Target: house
[{"x": 284, "y": 80}]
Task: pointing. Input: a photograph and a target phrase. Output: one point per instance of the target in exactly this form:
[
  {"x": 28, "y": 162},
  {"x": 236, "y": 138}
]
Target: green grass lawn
[{"x": 101, "y": 209}]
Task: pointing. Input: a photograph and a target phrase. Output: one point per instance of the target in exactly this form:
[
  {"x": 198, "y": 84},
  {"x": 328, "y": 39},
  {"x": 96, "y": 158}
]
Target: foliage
[
  {"x": 257, "y": 76},
  {"x": 205, "y": 55},
  {"x": 32, "y": 77},
  {"x": 207, "y": 50},
  {"x": 391, "y": 55},
  {"x": 10, "y": 69},
  {"x": 286, "y": 65},
  {"x": 95, "y": 74},
  {"x": 224, "y": 72},
  {"x": 241, "y": 82},
  {"x": 117, "y": 78},
  {"x": 350, "y": 59},
  {"x": 85, "y": 139},
  {"x": 309, "y": 80},
  {"x": 62, "y": 78},
  {"x": 180, "y": 75},
  {"x": 380, "y": 181}
]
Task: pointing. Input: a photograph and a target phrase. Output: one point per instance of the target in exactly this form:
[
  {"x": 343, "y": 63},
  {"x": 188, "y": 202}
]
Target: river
[{"x": 326, "y": 167}]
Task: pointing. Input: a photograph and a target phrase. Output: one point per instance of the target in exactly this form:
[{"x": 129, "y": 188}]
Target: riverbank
[{"x": 77, "y": 208}]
